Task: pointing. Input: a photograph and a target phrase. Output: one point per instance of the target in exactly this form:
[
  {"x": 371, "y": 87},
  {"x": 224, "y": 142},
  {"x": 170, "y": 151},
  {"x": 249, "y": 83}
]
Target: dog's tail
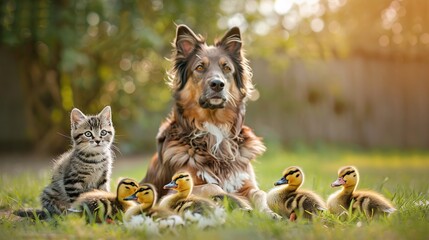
[{"x": 33, "y": 213}]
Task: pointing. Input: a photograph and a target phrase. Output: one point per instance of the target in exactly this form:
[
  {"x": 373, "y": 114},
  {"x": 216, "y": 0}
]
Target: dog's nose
[{"x": 217, "y": 85}]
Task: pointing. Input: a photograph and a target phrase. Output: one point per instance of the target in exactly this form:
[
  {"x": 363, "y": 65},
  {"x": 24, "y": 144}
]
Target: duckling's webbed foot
[{"x": 292, "y": 217}]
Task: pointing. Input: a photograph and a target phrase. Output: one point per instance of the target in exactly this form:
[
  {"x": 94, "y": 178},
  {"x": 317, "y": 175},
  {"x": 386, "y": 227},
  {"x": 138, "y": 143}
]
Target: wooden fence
[{"x": 371, "y": 103}]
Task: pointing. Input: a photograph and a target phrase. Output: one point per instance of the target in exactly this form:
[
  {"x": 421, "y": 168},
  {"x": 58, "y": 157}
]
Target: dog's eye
[
  {"x": 226, "y": 68},
  {"x": 199, "y": 68}
]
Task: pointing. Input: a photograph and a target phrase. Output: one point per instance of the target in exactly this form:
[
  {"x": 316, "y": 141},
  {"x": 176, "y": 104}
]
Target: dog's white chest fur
[
  {"x": 220, "y": 132},
  {"x": 232, "y": 183}
]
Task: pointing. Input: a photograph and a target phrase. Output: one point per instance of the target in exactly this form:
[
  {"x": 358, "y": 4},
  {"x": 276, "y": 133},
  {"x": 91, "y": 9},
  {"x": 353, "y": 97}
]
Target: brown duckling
[
  {"x": 287, "y": 200},
  {"x": 102, "y": 206},
  {"x": 369, "y": 202}
]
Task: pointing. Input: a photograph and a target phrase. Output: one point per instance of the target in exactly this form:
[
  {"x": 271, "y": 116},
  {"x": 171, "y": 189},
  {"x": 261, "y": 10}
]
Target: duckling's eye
[
  {"x": 297, "y": 175},
  {"x": 187, "y": 180},
  {"x": 146, "y": 193},
  {"x": 103, "y": 133},
  {"x": 88, "y": 134},
  {"x": 199, "y": 68},
  {"x": 127, "y": 187},
  {"x": 354, "y": 175}
]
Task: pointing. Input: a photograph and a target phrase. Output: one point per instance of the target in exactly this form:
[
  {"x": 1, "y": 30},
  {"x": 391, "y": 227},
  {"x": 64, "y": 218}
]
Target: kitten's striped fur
[{"x": 85, "y": 167}]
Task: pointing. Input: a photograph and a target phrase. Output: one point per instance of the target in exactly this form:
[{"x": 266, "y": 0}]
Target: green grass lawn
[{"x": 402, "y": 177}]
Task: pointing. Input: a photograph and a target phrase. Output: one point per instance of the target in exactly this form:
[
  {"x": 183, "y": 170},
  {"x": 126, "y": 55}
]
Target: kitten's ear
[
  {"x": 76, "y": 117},
  {"x": 106, "y": 114}
]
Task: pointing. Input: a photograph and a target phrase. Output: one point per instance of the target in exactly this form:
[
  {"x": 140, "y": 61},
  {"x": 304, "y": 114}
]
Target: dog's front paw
[{"x": 272, "y": 214}]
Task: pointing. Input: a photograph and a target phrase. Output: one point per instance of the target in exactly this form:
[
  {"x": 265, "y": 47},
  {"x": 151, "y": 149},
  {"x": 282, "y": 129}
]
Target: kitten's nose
[{"x": 97, "y": 141}]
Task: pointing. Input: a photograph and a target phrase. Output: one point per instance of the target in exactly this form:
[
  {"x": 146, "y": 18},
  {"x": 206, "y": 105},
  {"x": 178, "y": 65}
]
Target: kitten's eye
[
  {"x": 199, "y": 68},
  {"x": 88, "y": 134},
  {"x": 103, "y": 133}
]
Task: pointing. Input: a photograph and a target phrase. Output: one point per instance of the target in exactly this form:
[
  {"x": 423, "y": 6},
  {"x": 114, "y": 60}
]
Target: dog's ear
[
  {"x": 231, "y": 41},
  {"x": 186, "y": 40}
]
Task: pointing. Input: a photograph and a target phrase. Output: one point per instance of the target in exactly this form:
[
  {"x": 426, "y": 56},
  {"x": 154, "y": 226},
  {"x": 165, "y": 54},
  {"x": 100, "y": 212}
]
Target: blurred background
[{"x": 336, "y": 72}]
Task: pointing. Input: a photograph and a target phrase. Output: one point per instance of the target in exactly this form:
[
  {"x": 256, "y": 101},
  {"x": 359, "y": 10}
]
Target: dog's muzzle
[
  {"x": 212, "y": 102},
  {"x": 214, "y": 96}
]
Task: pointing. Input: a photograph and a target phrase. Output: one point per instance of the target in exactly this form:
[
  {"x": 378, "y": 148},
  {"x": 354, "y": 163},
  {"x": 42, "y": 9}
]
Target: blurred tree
[
  {"x": 88, "y": 54},
  {"x": 279, "y": 29}
]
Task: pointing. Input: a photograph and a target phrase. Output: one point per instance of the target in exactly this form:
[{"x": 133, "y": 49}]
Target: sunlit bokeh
[{"x": 325, "y": 71}]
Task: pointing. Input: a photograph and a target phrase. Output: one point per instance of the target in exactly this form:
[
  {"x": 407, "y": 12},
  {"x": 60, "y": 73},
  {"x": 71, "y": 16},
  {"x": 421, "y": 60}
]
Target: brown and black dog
[{"x": 204, "y": 134}]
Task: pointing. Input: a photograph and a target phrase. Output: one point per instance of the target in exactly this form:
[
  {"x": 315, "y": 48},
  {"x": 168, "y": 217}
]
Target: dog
[{"x": 205, "y": 133}]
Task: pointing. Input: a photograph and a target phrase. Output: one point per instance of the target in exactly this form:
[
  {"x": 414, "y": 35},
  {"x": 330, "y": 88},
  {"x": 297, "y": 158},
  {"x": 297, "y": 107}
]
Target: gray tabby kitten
[{"x": 87, "y": 166}]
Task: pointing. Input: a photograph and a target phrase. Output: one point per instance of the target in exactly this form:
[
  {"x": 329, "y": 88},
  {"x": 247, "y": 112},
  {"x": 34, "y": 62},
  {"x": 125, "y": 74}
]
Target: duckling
[
  {"x": 105, "y": 205},
  {"x": 200, "y": 210},
  {"x": 369, "y": 202},
  {"x": 286, "y": 199},
  {"x": 146, "y": 214}
]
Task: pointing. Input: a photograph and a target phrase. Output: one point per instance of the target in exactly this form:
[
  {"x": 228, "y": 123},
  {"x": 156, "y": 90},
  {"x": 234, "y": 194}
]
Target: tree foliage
[{"x": 89, "y": 54}]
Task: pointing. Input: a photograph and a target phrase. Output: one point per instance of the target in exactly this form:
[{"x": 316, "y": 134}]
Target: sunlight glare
[
  {"x": 237, "y": 20},
  {"x": 282, "y": 7},
  {"x": 383, "y": 41},
  {"x": 317, "y": 25},
  {"x": 266, "y": 7},
  {"x": 251, "y": 6},
  {"x": 261, "y": 28},
  {"x": 291, "y": 20}
]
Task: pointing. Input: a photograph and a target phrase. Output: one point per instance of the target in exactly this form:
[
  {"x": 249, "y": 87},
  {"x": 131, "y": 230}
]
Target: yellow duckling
[
  {"x": 369, "y": 202},
  {"x": 146, "y": 215},
  {"x": 202, "y": 211},
  {"x": 102, "y": 206},
  {"x": 286, "y": 199}
]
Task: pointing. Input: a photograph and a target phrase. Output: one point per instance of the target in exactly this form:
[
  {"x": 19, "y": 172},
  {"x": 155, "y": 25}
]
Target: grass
[{"x": 402, "y": 177}]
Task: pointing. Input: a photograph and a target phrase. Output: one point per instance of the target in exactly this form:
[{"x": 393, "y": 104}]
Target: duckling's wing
[
  {"x": 195, "y": 205},
  {"x": 97, "y": 206},
  {"x": 314, "y": 200},
  {"x": 202, "y": 212},
  {"x": 372, "y": 202},
  {"x": 389, "y": 210},
  {"x": 231, "y": 202}
]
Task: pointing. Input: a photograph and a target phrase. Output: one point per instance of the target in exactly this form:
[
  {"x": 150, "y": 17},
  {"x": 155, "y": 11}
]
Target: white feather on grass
[
  {"x": 212, "y": 219},
  {"x": 154, "y": 227}
]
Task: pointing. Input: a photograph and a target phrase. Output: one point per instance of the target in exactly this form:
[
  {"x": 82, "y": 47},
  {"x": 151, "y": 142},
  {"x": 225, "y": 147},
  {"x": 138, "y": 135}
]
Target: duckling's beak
[
  {"x": 171, "y": 185},
  {"x": 339, "y": 182},
  {"x": 132, "y": 197},
  {"x": 281, "y": 181}
]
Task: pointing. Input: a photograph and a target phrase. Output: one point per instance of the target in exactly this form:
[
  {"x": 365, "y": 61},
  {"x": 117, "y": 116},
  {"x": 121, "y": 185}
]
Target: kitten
[{"x": 87, "y": 166}]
